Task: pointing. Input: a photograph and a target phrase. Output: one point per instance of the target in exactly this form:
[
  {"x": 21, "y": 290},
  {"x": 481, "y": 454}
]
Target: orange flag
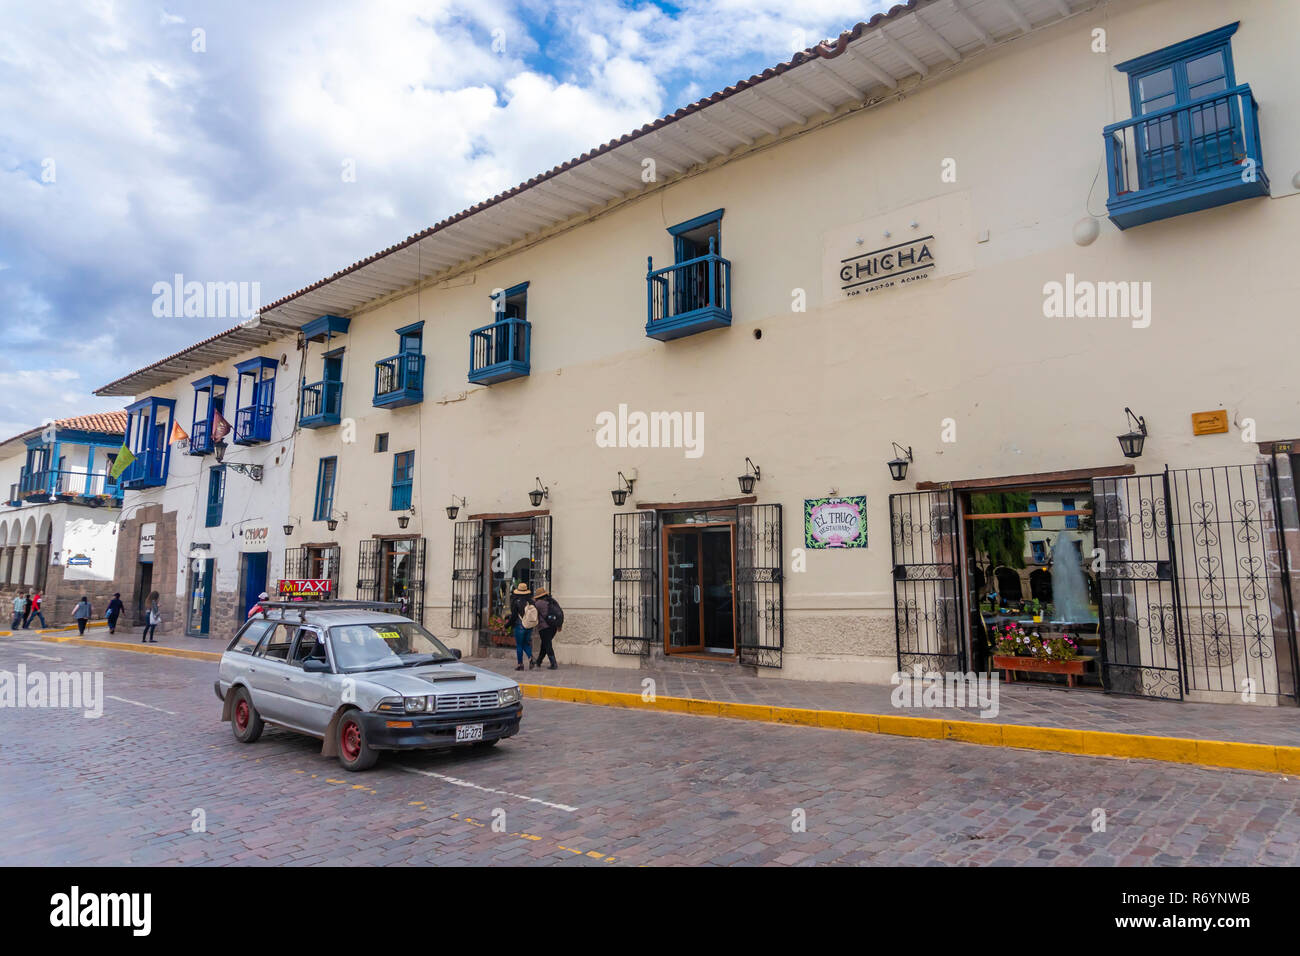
[{"x": 178, "y": 434}]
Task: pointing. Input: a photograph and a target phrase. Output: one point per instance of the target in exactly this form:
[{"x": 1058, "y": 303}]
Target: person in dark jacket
[
  {"x": 521, "y": 603},
  {"x": 81, "y": 614},
  {"x": 113, "y": 612},
  {"x": 548, "y": 610},
  {"x": 152, "y": 618}
]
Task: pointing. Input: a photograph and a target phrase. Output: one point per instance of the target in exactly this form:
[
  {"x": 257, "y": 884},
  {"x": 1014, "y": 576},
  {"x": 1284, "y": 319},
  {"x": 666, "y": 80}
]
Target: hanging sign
[
  {"x": 305, "y": 587},
  {"x": 835, "y": 522}
]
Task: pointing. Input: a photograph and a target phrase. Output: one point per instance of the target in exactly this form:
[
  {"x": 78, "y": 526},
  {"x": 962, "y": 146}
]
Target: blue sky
[{"x": 133, "y": 149}]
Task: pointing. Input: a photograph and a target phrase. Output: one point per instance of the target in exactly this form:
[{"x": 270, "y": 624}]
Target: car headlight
[
  {"x": 391, "y": 705},
  {"x": 416, "y": 705},
  {"x": 509, "y": 695}
]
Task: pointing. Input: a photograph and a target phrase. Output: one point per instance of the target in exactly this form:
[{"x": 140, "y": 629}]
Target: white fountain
[{"x": 1069, "y": 587}]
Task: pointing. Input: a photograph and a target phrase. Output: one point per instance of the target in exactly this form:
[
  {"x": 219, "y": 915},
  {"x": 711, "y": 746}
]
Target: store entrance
[
  {"x": 699, "y": 589},
  {"x": 1032, "y": 591}
]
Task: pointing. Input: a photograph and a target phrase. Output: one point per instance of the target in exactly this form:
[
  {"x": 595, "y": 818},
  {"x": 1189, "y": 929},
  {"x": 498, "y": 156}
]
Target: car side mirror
[
  {"x": 456, "y": 651},
  {"x": 313, "y": 665}
]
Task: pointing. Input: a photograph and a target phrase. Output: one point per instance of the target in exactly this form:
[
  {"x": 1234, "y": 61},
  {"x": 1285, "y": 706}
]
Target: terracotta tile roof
[{"x": 102, "y": 423}]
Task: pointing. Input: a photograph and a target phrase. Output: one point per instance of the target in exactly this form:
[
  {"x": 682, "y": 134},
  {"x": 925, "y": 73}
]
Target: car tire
[
  {"x": 354, "y": 753},
  {"x": 245, "y": 721}
]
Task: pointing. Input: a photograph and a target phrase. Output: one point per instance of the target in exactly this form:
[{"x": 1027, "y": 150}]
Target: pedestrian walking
[
  {"x": 35, "y": 611},
  {"x": 523, "y": 618},
  {"x": 152, "y": 618},
  {"x": 550, "y": 619},
  {"x": 113, "y": 612},
  {"x": 81, "y": 614},
  {"x": 20, "y": 612}
]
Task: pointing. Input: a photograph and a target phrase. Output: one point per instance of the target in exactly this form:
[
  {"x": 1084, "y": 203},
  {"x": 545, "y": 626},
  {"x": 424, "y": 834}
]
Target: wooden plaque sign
[{"x": 1210, "y": 423}]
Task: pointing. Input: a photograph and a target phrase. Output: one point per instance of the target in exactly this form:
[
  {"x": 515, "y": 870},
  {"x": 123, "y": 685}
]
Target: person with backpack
[
  {"x": 35, "y": 612},
  {"x": 113, "y": 612},
  {"x": 81, "y": 614},
  {"x": 550, "y": 619},
  {"x": 523, "y": 618}
]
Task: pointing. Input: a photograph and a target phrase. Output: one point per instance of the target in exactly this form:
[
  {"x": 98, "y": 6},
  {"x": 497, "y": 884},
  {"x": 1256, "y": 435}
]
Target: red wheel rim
[
  {"x": 350, "y": 740},
  {"x": 241, "y": 715}
]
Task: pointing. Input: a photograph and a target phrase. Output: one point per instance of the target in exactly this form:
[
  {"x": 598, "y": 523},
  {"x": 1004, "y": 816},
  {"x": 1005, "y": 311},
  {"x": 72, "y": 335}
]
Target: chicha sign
[
  {"x": 884, "y": 268},
  {"x": 304, "y": 587},
  {"x": 835, "y": 522}
]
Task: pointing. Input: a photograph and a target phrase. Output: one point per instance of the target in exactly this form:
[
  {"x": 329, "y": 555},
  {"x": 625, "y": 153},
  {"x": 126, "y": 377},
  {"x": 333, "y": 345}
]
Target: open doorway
[
  {"x": 1032, "y": 591},
  {"x": 699, "y": 576}
]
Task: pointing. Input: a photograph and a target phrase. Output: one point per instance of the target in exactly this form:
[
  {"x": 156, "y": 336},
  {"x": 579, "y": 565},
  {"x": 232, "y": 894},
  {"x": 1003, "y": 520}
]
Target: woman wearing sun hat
[{"x": 523, "y": 618}]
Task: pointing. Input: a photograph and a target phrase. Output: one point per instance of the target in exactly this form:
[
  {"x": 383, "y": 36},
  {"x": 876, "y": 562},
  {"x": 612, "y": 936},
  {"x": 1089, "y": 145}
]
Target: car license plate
[{"x": 469, "y": 732}]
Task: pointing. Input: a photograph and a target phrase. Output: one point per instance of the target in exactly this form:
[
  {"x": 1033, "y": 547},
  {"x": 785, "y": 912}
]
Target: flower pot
[{"x": 1010, "y": 664}]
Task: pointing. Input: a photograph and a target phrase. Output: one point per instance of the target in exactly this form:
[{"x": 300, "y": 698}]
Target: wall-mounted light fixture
[
  {"x": 620, "y": 493},
  {"x": 288, "y": 529},
  {"x": 332, "y": 522},
  {"x": 898, "y": 464},
  {"x": 404, "y": 520},
  {"x": 752, "y": 474},
  {"x": 538, "y": 493},
  {"x": 1131, "y": 442},
  {"x": 453, "y": 509}
]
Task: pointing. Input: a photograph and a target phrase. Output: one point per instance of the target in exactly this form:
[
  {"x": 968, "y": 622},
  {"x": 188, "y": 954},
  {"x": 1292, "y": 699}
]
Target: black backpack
[{"x": 554, "y": 613}]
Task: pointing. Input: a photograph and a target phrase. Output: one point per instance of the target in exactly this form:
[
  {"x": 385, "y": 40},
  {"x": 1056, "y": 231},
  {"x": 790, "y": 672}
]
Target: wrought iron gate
[
  {"x": 636, "y": 582},
  {"x": 541, "y": 553},
  {"x": 467, "y": 575},
  {"x": 1141, "y": 650},
  {"x": 927, "y": 586},
  {"x": 368, "y": 557},
  {"x": 415, "y": 582},
  {"x": 298, "y": 564},
  {"x": 1237, "y": 630},
  {"x": 759, "y": 586}
]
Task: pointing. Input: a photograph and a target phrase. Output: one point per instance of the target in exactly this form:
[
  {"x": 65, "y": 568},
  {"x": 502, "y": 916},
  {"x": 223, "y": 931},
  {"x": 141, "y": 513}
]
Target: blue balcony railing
[
  {"x": 500, "y": 351},
  {"x": 149, "y": 470},
  {"x": 399, "y": 380},
  {"x": 1184, "y": 158},
  {"x": 68, "y": 485},
  {"x": 253, "y": 424},
  {"x": 321, "y": 404},
  {"x": 688, "y": 297},
  {"x": 201, "y": 438}
]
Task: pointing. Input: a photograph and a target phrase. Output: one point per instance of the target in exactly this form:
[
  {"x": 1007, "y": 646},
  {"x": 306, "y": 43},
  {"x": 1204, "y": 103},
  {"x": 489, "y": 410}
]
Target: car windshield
[{"x": 381, "y": 644}]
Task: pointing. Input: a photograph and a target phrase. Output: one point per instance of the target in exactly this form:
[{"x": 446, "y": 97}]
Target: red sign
[{"x": 308, "y": 587}]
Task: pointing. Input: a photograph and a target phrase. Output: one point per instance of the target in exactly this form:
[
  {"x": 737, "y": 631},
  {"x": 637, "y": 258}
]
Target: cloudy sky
[{"x": 211, "y": 139}]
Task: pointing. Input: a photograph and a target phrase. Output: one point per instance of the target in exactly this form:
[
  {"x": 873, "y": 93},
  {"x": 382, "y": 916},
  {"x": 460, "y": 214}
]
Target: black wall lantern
[
  {"x": 898, "y": 465},
  {"x": 538, "y": 493},
  {"x": 403, "y": 520},
  {"x": 620, "y": 493},
  {"x": 1130, "y": 443},
  {"x": 332, "y": 524},
  {"x": 219, "y": 447},
  {"x": 288, "y": 530},
  {"x": 453, "y": 509},
  {"x": 752, "y": 474}
]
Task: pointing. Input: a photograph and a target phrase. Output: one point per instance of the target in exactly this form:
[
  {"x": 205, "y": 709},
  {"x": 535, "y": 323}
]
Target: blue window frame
[
  {"x": 148, "y": 429},
  {"x": 1193, "y": 141},
  {"x": 253, "y": 412},
  {"x": 321, "y": 402},
  {"x": 399, "y": 379},
  {"x": 502, "y": 350},
  {"x": 1040, "y": 551},
  {"x": 325, "y": 475},
  {"x": 403, "y": 478},
  {"x": 694, "y": 293},
  {"x": 216, "y": 495},
  {"x": 1034, "y": 522},
  {"x": 1071, "y": 521},
  {"x": 209, "y": 401}
]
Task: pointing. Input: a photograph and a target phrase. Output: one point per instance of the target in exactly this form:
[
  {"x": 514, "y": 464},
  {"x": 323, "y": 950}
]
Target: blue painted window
[
  {"x": 148, "y": 428},
  {"x": 254, "y": 400},
  {"x": 403, "y": 477},
  {"x": 325, "y": 474},
  {"x": 216, "y": 495},
  {"x": 693, "y": 239},
  {"x": 1034, "y": 522},
  {"x": 1071, "y": 521},
  {"x": 209, "y": 402},
  {"x": 512, "y": 303},
  {"x": 1040, "y": 551}
]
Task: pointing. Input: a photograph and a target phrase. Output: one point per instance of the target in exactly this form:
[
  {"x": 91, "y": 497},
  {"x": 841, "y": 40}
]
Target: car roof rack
[{"x": 302, "y": 607}]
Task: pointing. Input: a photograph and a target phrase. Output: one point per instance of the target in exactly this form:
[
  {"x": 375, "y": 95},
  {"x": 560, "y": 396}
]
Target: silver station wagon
[{"x": 361, "y": 679}]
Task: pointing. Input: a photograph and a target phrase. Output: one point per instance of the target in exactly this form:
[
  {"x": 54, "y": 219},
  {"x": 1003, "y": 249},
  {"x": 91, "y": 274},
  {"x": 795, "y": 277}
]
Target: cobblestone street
[{"x": 587, "y": 785}]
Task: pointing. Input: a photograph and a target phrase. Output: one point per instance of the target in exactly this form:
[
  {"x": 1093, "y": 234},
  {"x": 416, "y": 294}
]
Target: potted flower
[{"x": 1053, "y": 654}]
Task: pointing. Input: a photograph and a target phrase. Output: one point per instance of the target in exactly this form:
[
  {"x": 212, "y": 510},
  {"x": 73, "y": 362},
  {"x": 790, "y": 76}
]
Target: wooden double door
[{"x": 700, "y": 589}]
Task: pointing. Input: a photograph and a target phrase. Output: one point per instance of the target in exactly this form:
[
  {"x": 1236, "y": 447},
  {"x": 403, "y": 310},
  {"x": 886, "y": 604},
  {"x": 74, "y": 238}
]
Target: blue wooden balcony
[
  {"x": 149, "y": 470},
  {"x": 399, "y": 380},
  {"x": 201, "y": 438},
  {"x": 321, "y": 404},
  {"x": 500, "y": 351},
  {"x": 688, "y": 297},
  {"x": 1184, "y": 158},
  {"x": 253, "y": 424},
  {"x": 81, "y": 487}
]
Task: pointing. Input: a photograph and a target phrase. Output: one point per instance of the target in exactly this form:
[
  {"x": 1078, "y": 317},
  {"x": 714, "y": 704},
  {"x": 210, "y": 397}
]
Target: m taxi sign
[{"x": 305, "y": 587}]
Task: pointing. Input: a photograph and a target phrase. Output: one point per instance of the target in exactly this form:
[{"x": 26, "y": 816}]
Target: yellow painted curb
[
  {"x": 158, "y": 649},
  {"x": 973, "y": 732},
  {"x": 1042, "y": 738}
]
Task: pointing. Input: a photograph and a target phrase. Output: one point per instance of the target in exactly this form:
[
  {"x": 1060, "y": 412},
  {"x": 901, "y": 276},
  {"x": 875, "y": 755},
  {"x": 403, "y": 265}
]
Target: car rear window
[{"x": 246, "y": 641}]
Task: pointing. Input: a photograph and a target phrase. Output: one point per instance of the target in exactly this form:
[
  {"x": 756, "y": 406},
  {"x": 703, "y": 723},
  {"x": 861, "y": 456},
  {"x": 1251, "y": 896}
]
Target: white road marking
[
  {"x": 456, "y": 781},
  {"x": 44, "y": 657},
  {"x": 138, "y": 704}
]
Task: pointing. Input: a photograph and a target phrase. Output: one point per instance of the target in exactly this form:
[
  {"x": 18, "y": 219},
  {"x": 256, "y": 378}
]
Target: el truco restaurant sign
[{"x": 886, "y": 268}]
